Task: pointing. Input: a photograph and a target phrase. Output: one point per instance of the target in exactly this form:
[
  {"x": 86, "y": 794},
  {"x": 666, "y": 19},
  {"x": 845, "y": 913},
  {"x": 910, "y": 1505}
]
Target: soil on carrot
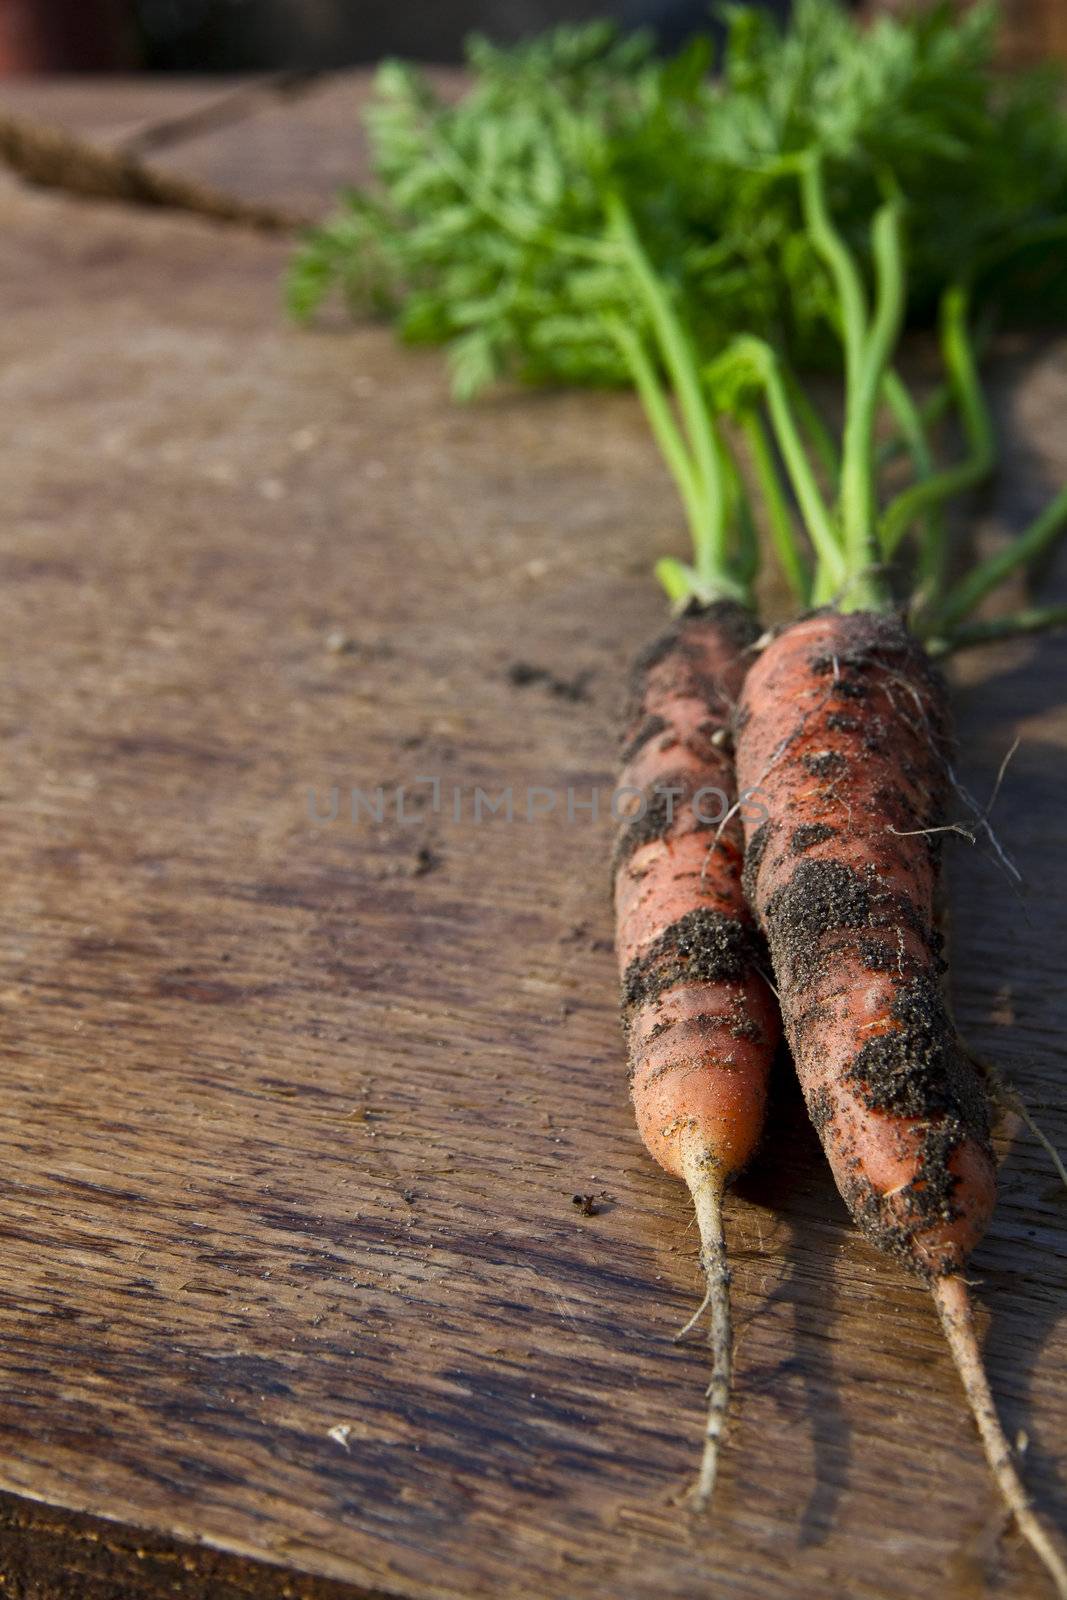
[
  {"x": 918, "y": 1069},
  {"x": 701, "y": 947},
  {"x": 734, "y": 622},
  {"x": 649, "y": 729},
  {"x": 823, "y": 913},
  {"x": 825, "y": 896},
  {"x": 754, "y": 854},
  {"x": 658, "y": 814},
  {"x": 810, "y": 834},
  {"x": 687, "y": 671},
  {"x": 825, "y": 764}
]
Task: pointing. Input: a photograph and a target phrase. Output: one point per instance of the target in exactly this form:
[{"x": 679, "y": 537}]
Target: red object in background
[{"x": 64, "y": 36}]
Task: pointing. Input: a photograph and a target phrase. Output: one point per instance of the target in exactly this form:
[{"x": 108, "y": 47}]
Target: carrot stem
[
  {"x": 817, "y": 519},
  {"x": 868, "y": 342},
  {"x": 858, "y": 488},
  {"x": 710, "y": 580},
  {"x": 1037, "y": 619},
  {"x": 664, "y": 428},
  {"x": 838, "y": 258},
  {"x": 703, "y": 1174},
  {"x": 936, "y": 405},
  {"x": 745, "y": 553},
  {"x": 1038, "y": 537},
  {"x": 819, "y": 435},
  {"x": 681, "y": 363},
  {"x": 933, "y": 547},
  {"x": 786, "y": 544},
  {"x": 961, "y": 364},
  {"x": 953, "y": 1304}
]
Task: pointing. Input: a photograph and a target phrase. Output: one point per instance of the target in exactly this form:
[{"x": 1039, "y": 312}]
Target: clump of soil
[
  {"x": 810, "y": 834},
  {"x": 523, "y": 673},
  {"x": 661, "y": 805},
  {"x": 701, "y": 947}
]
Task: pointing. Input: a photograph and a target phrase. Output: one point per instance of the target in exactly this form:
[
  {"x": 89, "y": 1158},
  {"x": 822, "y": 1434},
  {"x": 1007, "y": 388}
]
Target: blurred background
[{"x": 193, "y": 36}]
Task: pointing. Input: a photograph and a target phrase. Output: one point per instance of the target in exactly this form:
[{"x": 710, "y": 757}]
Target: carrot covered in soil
[
  {"x": 844, "y": 730},
  {"x": 701, "y": 1022}
]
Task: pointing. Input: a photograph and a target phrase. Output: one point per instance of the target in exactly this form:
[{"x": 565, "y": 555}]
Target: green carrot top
[{"x": 591, "y": 213}]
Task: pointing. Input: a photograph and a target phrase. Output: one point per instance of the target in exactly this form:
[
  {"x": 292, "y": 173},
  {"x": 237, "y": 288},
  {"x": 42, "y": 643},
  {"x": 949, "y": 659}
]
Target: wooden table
[{"x": 294, "y": 1296}]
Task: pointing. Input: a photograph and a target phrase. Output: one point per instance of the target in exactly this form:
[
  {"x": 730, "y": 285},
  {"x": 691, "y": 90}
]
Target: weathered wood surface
[
  {"x": 296, "y": 150},
  {"x": 292, "y": 1115},
  {"x": 119, "y": 112},
  {"x": 272, "y": 142}
]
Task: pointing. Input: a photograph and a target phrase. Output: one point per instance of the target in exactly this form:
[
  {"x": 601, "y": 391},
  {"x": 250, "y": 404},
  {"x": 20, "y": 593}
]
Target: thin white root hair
[
  {"x": 957, "y": 1319},
  {"x": 1013, "y": 1102},
  {"x": 1000, "y": 776},
  {"x": 1007, "y": 1096},
  {"x": 704, "y": 1178},
  {"x": 1042, "y": 1138},
  {"x": 982, "y": 819},
  {"x": 947, "y": 827},
  {"x": 683, "y": 1333}
]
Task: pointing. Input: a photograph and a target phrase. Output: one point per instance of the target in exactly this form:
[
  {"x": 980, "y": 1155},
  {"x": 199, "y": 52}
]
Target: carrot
[
  {"x": 844, "y": 731},
  {"x": 700, "y": 1020}
]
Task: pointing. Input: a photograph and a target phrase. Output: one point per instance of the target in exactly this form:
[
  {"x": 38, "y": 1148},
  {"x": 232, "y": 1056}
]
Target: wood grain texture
[
  {"x": 292, "y": 1115},
  {"x": 295, "y": 151},
  {"x": 118, "y": 112},
  {"x": 287, "y": 144}
]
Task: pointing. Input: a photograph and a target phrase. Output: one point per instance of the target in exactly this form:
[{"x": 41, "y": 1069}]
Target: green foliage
[
  {"x": 487, "y": 229},
  {"x": 590, "y": 213}
]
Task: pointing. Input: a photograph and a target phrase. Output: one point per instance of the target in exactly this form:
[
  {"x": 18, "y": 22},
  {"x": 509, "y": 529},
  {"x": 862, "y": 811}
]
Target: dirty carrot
[
  {"x": 845, "y": 734},
  {"x": 844, "y": 731},
  {"x": 701, "y": 1023}
]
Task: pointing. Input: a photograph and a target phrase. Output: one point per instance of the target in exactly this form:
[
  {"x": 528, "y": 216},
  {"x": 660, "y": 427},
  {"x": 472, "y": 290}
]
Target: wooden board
[
  {"x": 297, "y": 150},
  {"x": 289, "y": 143},
  {"x": 118, "y": 112},
  {"x": 292, "y": 1112}
]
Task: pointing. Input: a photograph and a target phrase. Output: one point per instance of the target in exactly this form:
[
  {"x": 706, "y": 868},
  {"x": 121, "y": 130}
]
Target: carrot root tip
[
  {"x": 703, "y": 1175},
  {"x": 957, "y": 1319}
]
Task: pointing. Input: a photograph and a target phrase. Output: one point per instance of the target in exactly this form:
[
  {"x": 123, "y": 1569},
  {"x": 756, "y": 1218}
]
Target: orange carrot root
[
  {"x": 844, "y": 733},
  {"x": 701, "y": 1023},
  {"x": 954, "y": 1308},
  {"x": 844, "y": 730}
]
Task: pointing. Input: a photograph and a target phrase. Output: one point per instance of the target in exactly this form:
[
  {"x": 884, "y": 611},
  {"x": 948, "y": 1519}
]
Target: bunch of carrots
[{"x": 814, "y": 912}]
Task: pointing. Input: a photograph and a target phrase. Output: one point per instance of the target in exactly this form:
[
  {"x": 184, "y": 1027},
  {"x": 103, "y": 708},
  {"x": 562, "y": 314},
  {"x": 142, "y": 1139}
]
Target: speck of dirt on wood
[
  {"x": 521, "y": 674},
  {"x": 425, "y": 862}
]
